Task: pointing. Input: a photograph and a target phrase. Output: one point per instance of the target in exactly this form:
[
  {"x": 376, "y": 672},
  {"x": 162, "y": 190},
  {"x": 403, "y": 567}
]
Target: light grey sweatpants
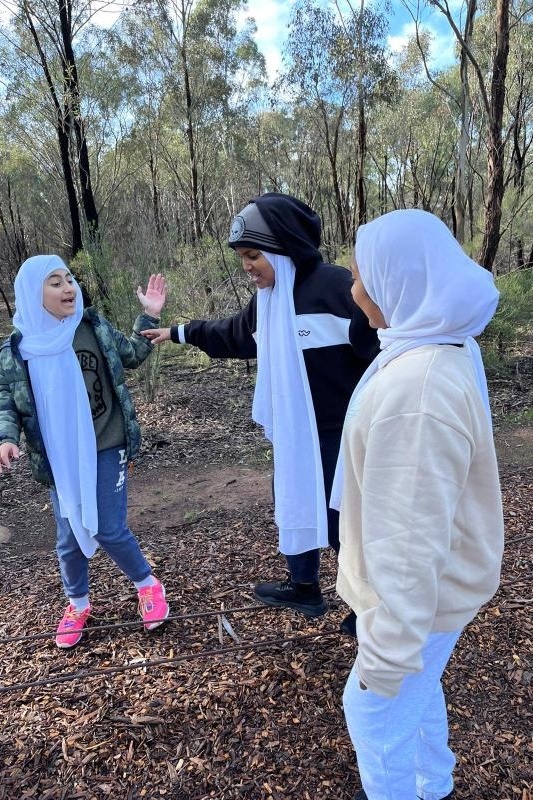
[{"x": 401, "y": 743}]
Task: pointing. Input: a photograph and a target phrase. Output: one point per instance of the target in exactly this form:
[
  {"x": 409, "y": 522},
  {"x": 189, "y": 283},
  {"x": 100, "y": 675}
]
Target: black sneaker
[
  {"x": 347, "y": 626},
  {"x": 303, "y": 597}
]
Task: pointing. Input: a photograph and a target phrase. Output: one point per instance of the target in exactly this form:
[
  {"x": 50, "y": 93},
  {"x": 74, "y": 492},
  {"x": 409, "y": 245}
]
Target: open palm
[{"x": 154, "y": 298}]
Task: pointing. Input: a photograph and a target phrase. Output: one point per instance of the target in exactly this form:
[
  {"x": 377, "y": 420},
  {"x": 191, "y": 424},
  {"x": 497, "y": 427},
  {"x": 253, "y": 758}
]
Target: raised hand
[
  {"x": 157, "y": 335},
  {"x": 154, "y": 298}
]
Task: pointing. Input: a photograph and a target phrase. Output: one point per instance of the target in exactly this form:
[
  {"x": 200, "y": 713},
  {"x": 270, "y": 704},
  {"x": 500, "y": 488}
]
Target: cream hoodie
[{"x": 421, "y": 524}]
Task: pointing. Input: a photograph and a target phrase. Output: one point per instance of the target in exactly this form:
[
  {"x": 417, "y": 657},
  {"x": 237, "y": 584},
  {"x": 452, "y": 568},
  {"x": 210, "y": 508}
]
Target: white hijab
[
  {"x": 63, "y": 408},
  {"x": 429, "y": 291},
  {"x": 284, "y": 407}
]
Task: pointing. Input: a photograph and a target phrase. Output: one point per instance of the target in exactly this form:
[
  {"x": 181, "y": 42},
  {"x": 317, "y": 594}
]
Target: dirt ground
[
  {"x": 262, "y": 721},
  {"x": 207, "y": 455},
  {"x": 195, "y": 459}
]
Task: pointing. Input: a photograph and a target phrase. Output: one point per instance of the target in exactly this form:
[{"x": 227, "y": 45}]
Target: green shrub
[
  {"x": 205, "y": 280},
  {"x": 511, "y": 331}
]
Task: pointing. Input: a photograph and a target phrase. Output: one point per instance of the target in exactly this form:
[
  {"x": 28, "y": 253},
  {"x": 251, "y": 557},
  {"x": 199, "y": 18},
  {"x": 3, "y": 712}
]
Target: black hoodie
[{"x": 337, "y": 342}]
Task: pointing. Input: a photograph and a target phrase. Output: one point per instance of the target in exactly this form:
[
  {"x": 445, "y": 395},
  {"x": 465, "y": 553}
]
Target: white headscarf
[
  {"x": 429, "y": 292},
  {"x": 284, "y": 407},
  {"x": 63, "y": 408}
]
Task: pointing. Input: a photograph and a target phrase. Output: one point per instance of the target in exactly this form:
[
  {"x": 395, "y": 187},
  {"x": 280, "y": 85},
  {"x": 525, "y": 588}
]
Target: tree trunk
[
  {"x": 332, "y": 146},
  {"x": 63, "y": 124},
  {"x": 15, "y": 237},
  {"x": 193, "y": 165},
  {"x": 454, "y": 218},
  {"x": 72, "y": 91},
  {"x": 6, "y": 303},
  {"x": 460, "y": 199},
  {"x": 361, "y": 138},
  {"x": 383, "y": 184},
  {"x": 519, "y": 150},
  {"x": 495, "y": 145},
  {"x": 517, "y": 249},
  {"x": 155, "y": 192},
  {"x": 361, "y": 128}
]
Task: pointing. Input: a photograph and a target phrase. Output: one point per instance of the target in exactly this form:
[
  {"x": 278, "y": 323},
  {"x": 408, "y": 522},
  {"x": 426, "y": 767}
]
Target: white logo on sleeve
[{"x": 322, "y": 330}]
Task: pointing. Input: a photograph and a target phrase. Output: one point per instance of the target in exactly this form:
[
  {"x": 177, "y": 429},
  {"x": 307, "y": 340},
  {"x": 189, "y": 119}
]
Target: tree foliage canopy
[{"x": 137, "y": 143}]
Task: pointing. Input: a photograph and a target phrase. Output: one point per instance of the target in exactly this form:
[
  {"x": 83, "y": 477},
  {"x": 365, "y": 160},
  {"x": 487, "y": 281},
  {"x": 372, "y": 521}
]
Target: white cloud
[
  {"x": 399, "y": 42},
  {"x": 107, "y": 13},
  {"x": 271, "y": 18},
  {"x": 442, "y": 49}
]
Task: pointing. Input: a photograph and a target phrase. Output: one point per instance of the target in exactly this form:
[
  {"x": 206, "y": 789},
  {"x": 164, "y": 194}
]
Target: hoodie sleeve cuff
[{"x": 177, "y": 334}]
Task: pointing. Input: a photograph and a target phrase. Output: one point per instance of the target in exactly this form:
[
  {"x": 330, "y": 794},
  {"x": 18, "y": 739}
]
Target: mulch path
[{"x": 261, "y": 721}]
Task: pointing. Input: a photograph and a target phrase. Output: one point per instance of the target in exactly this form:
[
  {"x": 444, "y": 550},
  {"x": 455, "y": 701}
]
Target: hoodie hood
[{"x": 295, "y": 228}]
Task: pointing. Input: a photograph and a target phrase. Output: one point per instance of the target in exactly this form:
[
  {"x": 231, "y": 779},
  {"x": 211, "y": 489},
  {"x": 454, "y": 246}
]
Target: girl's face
[
  {"x": 59, "y": 294},
  {"x": 259, "y": 270},
  {"x": 365, "y": 303}
]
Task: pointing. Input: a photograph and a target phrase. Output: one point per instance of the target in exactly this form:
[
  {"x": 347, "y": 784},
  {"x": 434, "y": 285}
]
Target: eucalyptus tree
[
  {"x": 412, "y": 142},
  {"x": 13, "y": 237},
  {"x": 335, "y": 66},
  {"x": 499, "y": 55},
  {"x": 315, "y": 80},
  {"x": 208, "y": 68},
  {"x": 518, "y": 135},
  {"x": 411, "y": 147},
  {"x": 462, "y": 181},
  {"x": 458, "y": 96},
  {"x": 12, "y": 229},
  {"x": 136, "y": 162},
  {"x": 29, "y": 77},
  {"x": 24, "y": 225},
  {"x": 51, "y": 28},
  {"x": 491, "y": 89}
]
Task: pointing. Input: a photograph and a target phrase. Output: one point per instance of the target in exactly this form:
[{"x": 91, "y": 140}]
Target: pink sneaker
[
  {"x": 153, "y": 607},
  {"x": 70, "y": 629}
]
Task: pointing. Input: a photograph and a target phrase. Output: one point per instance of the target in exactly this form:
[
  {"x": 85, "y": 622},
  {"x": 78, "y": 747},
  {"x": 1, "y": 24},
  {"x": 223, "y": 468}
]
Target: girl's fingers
[
  {"x": 157, "y": 282},
  {"x": 157, "y": 335}
]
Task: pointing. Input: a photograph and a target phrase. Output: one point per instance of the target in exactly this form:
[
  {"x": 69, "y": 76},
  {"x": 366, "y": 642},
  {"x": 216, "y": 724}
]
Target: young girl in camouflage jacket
[{"x": 62, "y": 384}]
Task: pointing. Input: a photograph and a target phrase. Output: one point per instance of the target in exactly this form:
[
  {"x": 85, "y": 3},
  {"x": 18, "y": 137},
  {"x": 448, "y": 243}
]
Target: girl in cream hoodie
[{"x": 421, "y": 524}]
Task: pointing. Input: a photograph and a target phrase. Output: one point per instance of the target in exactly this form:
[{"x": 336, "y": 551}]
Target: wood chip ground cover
[{"x": 263, "y": 722}]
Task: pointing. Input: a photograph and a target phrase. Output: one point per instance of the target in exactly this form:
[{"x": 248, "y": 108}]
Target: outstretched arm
[
  {"x": 157, "y": 335},
  {"x": 154, "y": 298},
  {"x": 232, "y": 337}
]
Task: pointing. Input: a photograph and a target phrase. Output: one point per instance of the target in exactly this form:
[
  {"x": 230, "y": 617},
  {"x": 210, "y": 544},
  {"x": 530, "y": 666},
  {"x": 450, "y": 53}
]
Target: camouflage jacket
[{"x": 17, "y": 405}]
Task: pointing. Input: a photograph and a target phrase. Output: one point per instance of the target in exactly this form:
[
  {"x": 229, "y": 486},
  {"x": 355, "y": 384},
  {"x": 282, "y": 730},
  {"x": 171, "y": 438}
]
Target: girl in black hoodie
[{"x": 312, "y": 345}]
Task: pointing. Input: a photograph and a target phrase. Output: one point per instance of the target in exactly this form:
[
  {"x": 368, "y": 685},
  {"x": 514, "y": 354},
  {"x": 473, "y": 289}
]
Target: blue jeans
[
  {"x": 113, "y": 536},
  {"x": 305, "y": 567}
]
